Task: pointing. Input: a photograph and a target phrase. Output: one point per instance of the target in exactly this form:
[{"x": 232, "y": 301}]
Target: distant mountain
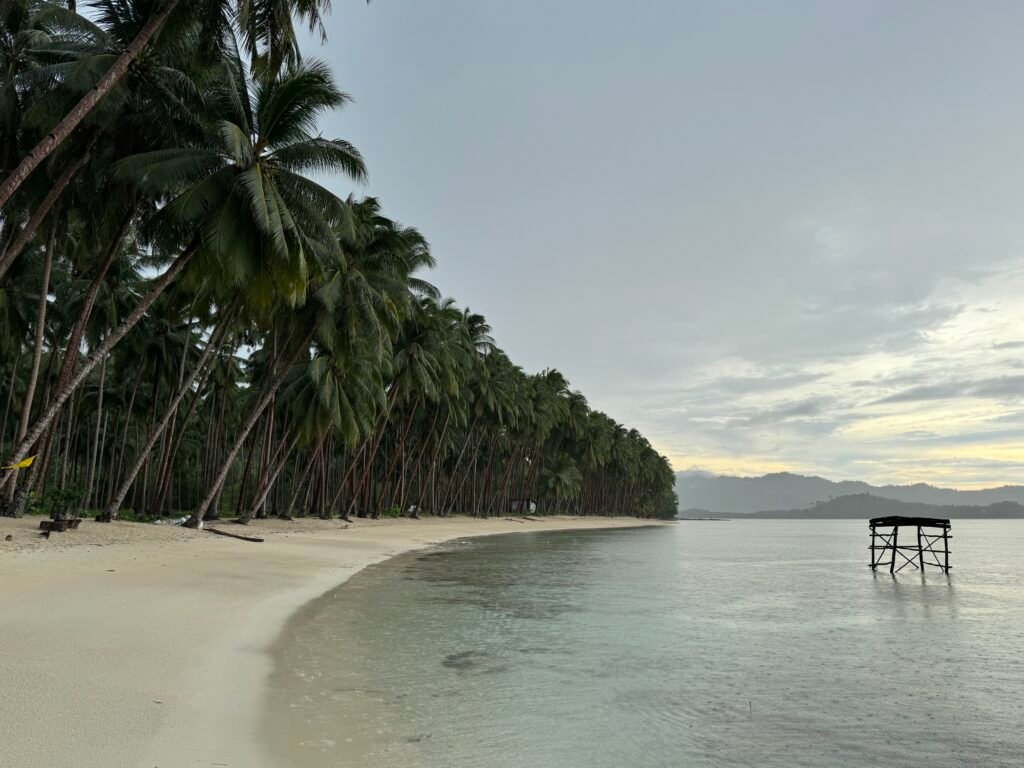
[
  {"x": 862, "y": 506},
  {"x": 724, "y": 494}
]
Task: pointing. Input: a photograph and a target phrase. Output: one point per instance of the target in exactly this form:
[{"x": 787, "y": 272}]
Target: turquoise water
[{"x": 755, "y": 643}]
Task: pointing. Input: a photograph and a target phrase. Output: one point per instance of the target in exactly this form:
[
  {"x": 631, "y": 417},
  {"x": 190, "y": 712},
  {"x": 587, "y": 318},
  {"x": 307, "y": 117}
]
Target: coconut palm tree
[{"x": 240, "y": 199}]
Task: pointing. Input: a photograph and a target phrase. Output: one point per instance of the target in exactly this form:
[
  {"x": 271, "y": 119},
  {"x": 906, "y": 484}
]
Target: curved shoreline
[{"x": 155, "y": 652}]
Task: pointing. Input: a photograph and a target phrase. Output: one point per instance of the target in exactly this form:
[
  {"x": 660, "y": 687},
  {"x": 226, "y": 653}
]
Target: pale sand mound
[{"x": 144, "y": 645}]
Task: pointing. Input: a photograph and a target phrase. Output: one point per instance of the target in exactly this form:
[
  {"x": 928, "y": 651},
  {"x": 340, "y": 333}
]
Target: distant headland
[{"x": 788, "y": 495}]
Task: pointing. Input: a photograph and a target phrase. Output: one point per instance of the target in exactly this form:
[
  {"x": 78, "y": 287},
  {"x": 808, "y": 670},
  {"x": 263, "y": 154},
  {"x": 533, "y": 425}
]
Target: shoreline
[{"x": 130, "y": 644}]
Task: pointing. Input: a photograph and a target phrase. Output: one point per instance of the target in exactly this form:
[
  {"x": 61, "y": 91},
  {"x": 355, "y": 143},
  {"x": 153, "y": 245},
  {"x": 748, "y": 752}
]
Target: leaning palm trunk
[
  {"x": 10, "y": 395},
  {"x": 67, "y": 368},
  {"x": 63, "y": 129},
  {"x": 96, "y": 437},
  {"x": 37, "y": 356},
  {"x": 26, "y": 234},
  {"x": 434, "y": 465},
  {"x": 469, "y": 472},
  {"x": 373, "y": 451},
  {"x": 110, "y": 513},
  {"x": 503, "y": 483},
  {"x": 196, "y": 521},
  {"x": 296, "y": 492},
  {"x": 281, "y": 459},
  {"x": 64, "y": 392},
  {"x": 399, "y": 451},
  {"x": 344, "y": 481}
]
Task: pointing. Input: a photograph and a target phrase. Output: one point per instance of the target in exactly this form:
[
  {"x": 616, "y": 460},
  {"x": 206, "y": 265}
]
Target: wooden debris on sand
[{"x": 233, "y": 535}]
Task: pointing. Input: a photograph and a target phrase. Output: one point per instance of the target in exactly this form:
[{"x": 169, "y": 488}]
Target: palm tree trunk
[
  {"x": 10, "y": 398},
  {"x": 280, "y": 459},
  {"x": 503, "y": 483},
  {"x": 96, "y": 438},
  {"x": 399, "y": 451},
  {"x": 305, "y": 477},
  {"x": 63, "y": 129},
  {"x": 29, "y": 230},
  {"x": 433, "y": 465},
  {"x": 466, "y": 476},
  {"x": 179, "y": 434},
  {"x": 373, "y": 449},
  {"x": 345, "y": 478},
  {"x": 37, "y": 356},
  {"x": 63, "y": 393},
  {"x": 196, "y": 521},
  {"x": 114, "y": 506}
]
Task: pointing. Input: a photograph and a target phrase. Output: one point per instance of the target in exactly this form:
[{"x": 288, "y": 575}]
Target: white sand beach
[{"x": 141, "y": 645}]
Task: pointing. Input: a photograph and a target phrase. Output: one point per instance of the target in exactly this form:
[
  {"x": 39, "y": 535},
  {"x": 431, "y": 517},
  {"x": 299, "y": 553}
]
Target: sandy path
[{"x": 135, "y": 645}]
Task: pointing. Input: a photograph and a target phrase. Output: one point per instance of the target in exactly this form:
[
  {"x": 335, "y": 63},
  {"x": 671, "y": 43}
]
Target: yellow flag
[{"x": 26, "y": 462}]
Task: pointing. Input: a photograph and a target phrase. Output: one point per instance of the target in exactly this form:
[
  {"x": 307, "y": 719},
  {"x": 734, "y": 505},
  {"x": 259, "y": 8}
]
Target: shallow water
[{"x": 766, "y": 643}]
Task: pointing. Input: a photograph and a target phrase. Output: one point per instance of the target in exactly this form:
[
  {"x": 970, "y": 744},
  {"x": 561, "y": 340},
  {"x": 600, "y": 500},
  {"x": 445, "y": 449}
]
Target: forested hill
[
  {"x": 724, "y": 494},
  {"x": 865, "y": 505}
]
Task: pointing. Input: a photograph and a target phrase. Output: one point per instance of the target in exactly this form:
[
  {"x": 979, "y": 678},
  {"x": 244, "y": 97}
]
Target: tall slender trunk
[
  {"x": 248, "y": 468},
  {"x": 10, "y": 399},
  {"x": 37, "y": 356},
  {"x": 503, "y": 483},
  {"x": 179, "y": 433},
  {"x": 96, "y": 437},
  {"x": 72, "y": 411},
  {"x": 305, "y": 477},
  {"x": 399, "y": 450},
  {"x": 479, "y": 508},
  {"x": 392, "y": 397},
  {"x": 446, "y": 493},
  {"x": 63, "y": 129},
  {"x": 26, "y": 234},
  {"x": 196, "y": 521},
  {"x": 279, "y": 459},
  {"x": 127, "y": 428},
  {"x": 345, "y": 478},
  {"x": 114, "y": 506},
  {"x": 63, "y": 393},
  {"x": 433, "y": 465},
  {"x": 166, "y": 466},
  {"x": 467, "y": 475}
]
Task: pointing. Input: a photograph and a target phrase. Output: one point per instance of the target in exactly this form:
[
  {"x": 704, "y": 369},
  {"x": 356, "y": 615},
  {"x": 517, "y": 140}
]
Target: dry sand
[{"x": 129, "y": 645}]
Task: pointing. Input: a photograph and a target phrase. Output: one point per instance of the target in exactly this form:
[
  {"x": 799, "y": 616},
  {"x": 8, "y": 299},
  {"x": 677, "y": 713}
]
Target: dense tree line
[{"x": 190, "y": 323}]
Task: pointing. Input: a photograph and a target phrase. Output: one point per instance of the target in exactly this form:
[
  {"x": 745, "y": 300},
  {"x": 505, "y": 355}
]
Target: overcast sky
[{"x": 770, "y": 235}]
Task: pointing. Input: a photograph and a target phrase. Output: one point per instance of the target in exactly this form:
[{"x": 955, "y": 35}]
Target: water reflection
[{"x": 766, "y": 643}]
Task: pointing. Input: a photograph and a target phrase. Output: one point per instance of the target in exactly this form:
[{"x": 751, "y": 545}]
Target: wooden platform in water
[{"x": 924, "y": 522}]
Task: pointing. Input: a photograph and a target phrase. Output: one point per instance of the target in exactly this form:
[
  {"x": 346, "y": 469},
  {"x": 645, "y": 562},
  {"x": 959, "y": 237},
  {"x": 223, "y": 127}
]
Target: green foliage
[
  {"x": 298, "y": 359},
  {"x": 65, "y": 502}
]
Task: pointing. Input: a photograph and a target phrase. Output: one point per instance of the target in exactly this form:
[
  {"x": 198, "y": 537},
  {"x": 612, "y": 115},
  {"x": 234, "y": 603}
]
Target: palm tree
[
  {"x": 239, "y": 200},
  {"x": 267, "y": 30},
  {"x": 189, "y": 322}
]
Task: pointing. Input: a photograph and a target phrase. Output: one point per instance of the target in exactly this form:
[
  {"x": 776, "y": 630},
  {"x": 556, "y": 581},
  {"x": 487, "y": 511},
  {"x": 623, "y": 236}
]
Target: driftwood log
[{"x": 233, "y": 535}]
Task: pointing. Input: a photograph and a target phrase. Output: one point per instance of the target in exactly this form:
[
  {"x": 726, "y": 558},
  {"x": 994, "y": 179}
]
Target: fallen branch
[{"x": 233, "y": 535}]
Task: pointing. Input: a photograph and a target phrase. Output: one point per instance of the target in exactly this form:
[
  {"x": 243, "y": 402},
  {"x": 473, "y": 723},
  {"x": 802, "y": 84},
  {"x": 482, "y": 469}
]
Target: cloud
[
  {"x": 824, "y": 306},
  {"x": 999, "y": 388},
  {"x": 800, "y": 409}
]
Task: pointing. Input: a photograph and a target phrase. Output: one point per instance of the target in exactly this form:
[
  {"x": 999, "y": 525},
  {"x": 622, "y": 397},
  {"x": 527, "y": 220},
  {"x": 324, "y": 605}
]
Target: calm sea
[{"x": 758, "y": 643}]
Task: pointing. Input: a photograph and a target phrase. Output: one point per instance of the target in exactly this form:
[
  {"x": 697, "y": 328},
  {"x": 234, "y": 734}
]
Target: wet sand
[{"x": 143, "y": 645}]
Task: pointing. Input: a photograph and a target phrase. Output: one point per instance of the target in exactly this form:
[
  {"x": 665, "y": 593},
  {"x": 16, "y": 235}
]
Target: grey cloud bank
[{"x": 735, "y": 226}]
